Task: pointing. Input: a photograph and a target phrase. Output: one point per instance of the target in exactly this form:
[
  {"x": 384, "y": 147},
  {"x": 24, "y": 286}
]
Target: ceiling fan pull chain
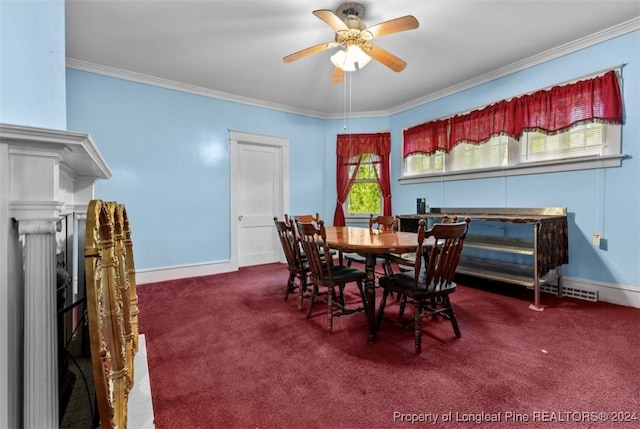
[
  {"x": 344, "y": 104},
  {"x": 350, "y": 103}
]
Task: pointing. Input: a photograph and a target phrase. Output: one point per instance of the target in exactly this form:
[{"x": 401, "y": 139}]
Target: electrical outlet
[{"x": 596, "y": 239}]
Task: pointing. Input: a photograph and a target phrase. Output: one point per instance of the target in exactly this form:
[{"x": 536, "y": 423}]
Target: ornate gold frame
[{"x": 112, "y": 308}]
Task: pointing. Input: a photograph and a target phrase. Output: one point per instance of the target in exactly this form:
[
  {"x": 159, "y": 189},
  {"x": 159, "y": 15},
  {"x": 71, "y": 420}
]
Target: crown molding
[
  {"x": 610, "y": 33},
  {"x": 559, "y": 51},
  {"x": 184, "y": 87}
]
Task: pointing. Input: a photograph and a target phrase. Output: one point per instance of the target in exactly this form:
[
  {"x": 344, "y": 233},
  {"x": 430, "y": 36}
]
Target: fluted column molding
[
  {"x": 40, "y": 327},
  {"x": 79, "y": 281},
  {"x": 44, "y": 173}
]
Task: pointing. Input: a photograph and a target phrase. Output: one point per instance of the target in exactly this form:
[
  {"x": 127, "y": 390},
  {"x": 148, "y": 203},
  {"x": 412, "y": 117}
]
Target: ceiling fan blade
[
  {"x": 331, "y": 18},
  {"x": 338, "y": 75},
  {"x": 309, "y": 51},
  {"x": 387, "y": 58},
  {"x": 403, "y": 23}
]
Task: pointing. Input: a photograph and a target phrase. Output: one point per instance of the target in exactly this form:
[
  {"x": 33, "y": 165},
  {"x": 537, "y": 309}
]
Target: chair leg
[
  {"x": 418, "y": 327},
  {"x": 330, "y": 298},
  {"x": 434, "y": 306},
  {"x": 403, "y": 304},
  {"x": 363, "y": 293},
  {"x": 303, "y": 290},
  {"x": 312, "y": 298},
  {"x": 383, "y": 303},
  {"x": 341, "y": 295},
  {"x": 452, "y": 316},
  {"x": 291, "y": 285}
]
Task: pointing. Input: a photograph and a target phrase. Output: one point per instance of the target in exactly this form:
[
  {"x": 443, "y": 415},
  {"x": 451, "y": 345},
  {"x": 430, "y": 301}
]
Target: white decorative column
[
  {"x": 78, "y": 280},
  {"x": 50, "y": 173},
  {"x": 40, "y": 324}
]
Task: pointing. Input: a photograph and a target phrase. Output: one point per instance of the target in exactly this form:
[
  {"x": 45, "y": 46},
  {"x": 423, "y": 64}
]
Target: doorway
[{"x": 259, "y": 192}]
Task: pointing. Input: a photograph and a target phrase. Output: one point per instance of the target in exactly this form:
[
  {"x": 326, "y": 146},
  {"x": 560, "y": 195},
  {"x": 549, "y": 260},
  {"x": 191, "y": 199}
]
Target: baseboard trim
[
  {"x": 628, "y": 296},
  {"x": 164, "y": 274},
  {"x": 607, "y": 292}
]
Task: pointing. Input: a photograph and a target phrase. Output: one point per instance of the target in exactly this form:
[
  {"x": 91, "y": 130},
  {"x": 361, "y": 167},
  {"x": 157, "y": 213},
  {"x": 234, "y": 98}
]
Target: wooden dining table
[{"x": 370, "y": 243}]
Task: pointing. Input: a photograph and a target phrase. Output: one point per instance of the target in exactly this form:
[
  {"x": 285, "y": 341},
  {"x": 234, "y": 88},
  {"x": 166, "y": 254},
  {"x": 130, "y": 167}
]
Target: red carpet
[{"x": 226, "y": 351}]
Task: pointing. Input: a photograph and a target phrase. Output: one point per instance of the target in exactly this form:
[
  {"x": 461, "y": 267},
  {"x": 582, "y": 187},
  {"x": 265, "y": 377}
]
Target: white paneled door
[{"x": 260, "y": 188}]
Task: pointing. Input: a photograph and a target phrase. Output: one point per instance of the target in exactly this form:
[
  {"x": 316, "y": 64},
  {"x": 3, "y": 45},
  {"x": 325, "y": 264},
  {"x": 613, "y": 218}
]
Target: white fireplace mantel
[
  {"x": 51, "y": 171},
  {"x": 44, "y": 174}
]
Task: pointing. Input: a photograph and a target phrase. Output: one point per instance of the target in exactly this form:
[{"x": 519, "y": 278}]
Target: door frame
[{"x": 237, "y": 138}]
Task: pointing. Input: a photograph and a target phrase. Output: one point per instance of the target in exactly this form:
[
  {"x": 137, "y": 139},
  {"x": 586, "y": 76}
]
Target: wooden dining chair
[
  {"x": 326, "y": 275},
  {"x": 428, "y": 287},
  {"x": 296, "y": 262},
  {"x": 380, "y": 224},
  {"x": 405, "y": 262},
  {"x": 305, "y": 218}
]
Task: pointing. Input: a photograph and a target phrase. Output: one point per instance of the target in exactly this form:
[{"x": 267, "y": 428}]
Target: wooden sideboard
[{"x": 544, "y": 250}]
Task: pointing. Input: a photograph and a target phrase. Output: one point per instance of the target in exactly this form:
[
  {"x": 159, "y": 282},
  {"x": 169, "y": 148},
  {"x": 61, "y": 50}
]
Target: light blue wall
[
  {"x": 32, "y": 93},
  {"x": 169, "y": 154},
  {"x": 32, "y": 63},
  {"x": 605, "y": 201}
]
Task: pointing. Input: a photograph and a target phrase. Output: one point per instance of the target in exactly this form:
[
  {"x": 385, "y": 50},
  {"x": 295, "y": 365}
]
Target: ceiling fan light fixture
[
  {"x": 351, "y": 58},
  {"x": 354, "y": 38}
]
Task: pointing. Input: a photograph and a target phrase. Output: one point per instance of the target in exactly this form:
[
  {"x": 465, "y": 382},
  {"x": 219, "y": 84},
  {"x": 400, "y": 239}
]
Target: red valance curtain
[
  {"x": 563, "y": 106},
  {"x": 480, "y": 125},
  {"x": 549, "y": 111},
  {"x": 427, "y": 138},
  {"x": 349, "y": 146}
]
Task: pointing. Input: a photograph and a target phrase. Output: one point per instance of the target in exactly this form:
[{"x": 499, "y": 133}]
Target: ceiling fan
[{"x": 355, "y": 38}]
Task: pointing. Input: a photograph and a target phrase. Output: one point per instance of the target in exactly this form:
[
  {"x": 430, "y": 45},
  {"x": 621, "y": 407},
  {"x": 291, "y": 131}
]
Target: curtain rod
[{"x": 617, "y": 68}]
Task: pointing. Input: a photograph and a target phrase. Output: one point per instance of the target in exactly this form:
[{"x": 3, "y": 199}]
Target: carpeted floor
[{"x": 227, "y": 351}]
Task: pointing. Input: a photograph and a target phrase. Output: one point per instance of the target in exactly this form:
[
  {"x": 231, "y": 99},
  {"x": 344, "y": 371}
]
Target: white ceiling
[{"x": 234, "y": 48}]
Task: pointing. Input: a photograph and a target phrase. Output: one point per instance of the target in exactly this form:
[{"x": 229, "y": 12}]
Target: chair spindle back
[
  {"x": 441, "y": 260},
  {"x": 314, "y": 243}
]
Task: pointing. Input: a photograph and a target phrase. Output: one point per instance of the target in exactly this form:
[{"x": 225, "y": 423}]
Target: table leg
[
  {"x": 370, "y": 294},
  {"x": 536, "y": 275}
]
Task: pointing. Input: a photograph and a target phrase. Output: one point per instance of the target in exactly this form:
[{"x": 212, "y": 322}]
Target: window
[
  {"x": 569, "y": 127},
  {"x": 365, "y": 196},
  {"x": 534, "y": 147},
  {"x": 420, "y": 163},
  {"x": 585, "y": 140},
  {"x": 493, "y": 153},
  {"x": 362, "y": 160}
]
